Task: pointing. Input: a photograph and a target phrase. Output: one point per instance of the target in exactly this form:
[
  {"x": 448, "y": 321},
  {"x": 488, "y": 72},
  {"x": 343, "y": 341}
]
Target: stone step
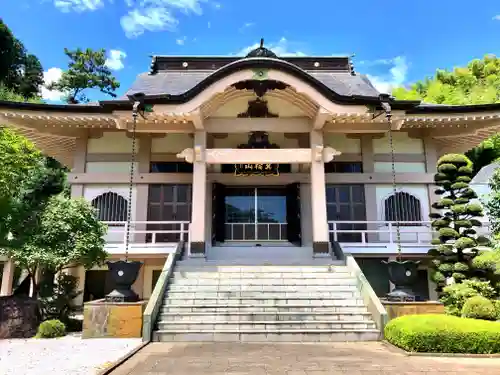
[
  {"x": 268, "y": 335},
  {"x": 260, "y": 325},
  {"x": 261, "y": 275},
  {"x": 271, "y": 281},
  {"x": 261, "y": 288},
  {"x": 277, "y": 308},
  {"x": 259, "y": 301},
  {"x": 289, "y": 262},
  {"x": 263, "y": 269},
  {"x": 260, "y": 316},
  {"x": 266, "y": 294}
]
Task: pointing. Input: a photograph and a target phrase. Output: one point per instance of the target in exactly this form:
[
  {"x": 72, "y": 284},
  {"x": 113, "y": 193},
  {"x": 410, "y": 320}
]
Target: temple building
[{"x": 256, "y": 160}]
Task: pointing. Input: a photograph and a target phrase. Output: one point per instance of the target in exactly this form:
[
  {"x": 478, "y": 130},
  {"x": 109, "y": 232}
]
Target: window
[
  {"x": 403, "y": 208},
  {"x": 346, "y": 203},
  {"x": 343, "y": 167},
  {"x": 171, "y": 167},
  {"x": 168, "y": 202},
  {"x": 110, "y": 207}
]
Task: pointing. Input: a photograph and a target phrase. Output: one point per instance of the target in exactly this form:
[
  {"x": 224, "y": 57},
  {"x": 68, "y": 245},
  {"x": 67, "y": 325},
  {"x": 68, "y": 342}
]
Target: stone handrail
[
  {"x": 372, "y": 302},
  {"x": 156, "y": 299}
]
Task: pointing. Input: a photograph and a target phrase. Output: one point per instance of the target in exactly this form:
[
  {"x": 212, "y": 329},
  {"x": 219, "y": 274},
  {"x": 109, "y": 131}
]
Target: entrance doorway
[{"x": 256, "y": 214}]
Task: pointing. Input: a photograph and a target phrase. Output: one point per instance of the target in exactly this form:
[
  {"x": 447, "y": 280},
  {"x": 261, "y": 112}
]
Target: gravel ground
[{"x": 69, "y": 355}]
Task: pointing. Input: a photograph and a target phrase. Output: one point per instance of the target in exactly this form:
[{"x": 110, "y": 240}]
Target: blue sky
[{"x": 394, "y": 42}]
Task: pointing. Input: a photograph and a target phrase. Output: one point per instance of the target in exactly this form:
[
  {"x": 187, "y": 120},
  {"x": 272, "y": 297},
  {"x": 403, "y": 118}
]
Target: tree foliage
[
  {"x": 86, "y": 70},
  {"x": 455, "y": 221},
  {"x": 20, "y": 71},
  {"x": 66, "y": 233},
  {"x": 492, "y": 203},
  {"x": 476, "y": 83}
]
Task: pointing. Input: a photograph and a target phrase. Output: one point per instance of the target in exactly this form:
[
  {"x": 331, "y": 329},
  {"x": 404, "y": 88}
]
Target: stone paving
[{"x": 370, "y": 358}]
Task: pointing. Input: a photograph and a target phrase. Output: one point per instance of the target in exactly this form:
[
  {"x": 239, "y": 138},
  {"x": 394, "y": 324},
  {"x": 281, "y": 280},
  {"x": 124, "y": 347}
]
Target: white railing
[
  {"x": 255, "y": 231},
  {"x": 147, "y": 233},
  {"x": 375, "y": 233}
]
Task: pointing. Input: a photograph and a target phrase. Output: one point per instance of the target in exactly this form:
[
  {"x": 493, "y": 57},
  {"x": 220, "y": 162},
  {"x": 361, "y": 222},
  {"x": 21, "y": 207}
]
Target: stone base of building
[
  {"x": 396, "y": 309},
  {"x": 113, "y": 319},
  {"x": 19, "y": 317}
]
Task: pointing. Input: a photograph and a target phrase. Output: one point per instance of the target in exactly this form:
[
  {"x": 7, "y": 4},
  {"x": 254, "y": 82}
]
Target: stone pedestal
[
  {"x": 113, "y": 319},
  {"x": 395, "y": 309}
]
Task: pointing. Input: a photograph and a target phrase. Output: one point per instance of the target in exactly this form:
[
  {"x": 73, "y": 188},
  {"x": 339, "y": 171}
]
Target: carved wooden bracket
[
  {"x": 329, "y": 154},
  {"x": 191, "y": 155},
  {"x": 187, "y": 154}
]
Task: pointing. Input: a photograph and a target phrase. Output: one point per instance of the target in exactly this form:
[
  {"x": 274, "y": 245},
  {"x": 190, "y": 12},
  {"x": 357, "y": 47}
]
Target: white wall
[
  {"x": 402, "y": 144},
  {"x": 111, "y": 143},
  {"x": 109, "y": 167},
  {"x": 400, "y": 167}
]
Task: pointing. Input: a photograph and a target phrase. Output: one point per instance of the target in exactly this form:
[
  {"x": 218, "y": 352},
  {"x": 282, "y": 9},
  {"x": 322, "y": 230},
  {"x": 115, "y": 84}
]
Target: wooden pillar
[
  {"x": 368, "y": 160},
  {"x": 198, "y": 216},
  {"x": 7, "y": 278},
  {"x": 321, "y": 243},
  {"x": 142, "y": 190}
]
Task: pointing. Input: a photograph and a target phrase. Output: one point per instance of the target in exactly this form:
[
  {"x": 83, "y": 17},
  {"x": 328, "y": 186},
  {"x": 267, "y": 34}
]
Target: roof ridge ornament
[{"x": 262, "y": 51}]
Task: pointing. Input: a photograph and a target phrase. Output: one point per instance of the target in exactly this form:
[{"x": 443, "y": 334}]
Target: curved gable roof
[{"x": 182, "y": 85}]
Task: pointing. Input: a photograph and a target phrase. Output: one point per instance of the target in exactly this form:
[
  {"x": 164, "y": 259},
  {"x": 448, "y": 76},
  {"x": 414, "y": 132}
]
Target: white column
[
  {"x": 321, "y": 243},
  {"x": 7, "y": 278},
  {"x": 198, "y": 204}
]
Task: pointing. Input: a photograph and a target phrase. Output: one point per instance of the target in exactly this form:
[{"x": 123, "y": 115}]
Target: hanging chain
[
  {"x": 131, "y": 182},
  {"x": 388, "y": 115}
]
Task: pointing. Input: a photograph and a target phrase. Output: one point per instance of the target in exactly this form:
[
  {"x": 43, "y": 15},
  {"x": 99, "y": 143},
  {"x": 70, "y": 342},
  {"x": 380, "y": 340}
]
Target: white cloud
[
  {"x": 115, "y": 59},
  {"x": 280, "y": 48},
  {"x": 497, "y": 17},
  {"x": 181, "y": 41},
  {"x": 50, "y": 76},
  {"x": 395, "y": 77},
  {"x": 78, "y": 5},
  {"x": 157, "y": 15},
  {"x": 246, "y": 26},
  {"x": 209, "y": 24},
  {"x": 143, "y": 15}
]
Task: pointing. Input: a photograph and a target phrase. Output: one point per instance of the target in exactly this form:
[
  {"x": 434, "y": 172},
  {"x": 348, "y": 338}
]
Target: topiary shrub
[
  {"x": 457, "y": 243},
  {"x": 454, "y": 296},
  {"x": 478, "y": 307},
  {"x": 437, "y": 333},
  {"x": 51, "y": 329}
]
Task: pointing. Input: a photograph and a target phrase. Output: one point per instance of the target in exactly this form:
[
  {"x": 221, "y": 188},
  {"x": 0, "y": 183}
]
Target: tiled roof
[{"x": 179, "y": 82}]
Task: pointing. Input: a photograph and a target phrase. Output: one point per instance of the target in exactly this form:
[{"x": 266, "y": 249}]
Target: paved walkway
[{"x": 371, "y": 358}]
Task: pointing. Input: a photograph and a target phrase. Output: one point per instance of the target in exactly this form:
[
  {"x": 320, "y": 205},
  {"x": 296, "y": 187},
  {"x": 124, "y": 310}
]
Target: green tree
[
  {"x": 477, "y": 83},
  {"x": 67, "y": 233},
  {"x": 458, "y": 242},
  {"x": 20, "y": 71},
  {"x": 86, "y": 70}
]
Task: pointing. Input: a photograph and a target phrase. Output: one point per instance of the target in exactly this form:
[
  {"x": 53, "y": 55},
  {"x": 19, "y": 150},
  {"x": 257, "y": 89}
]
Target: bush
[
  {"x": 436, "y": 333},
  {"x": 454, "y": 296},
  {"x": 496, "y": 305},
  {"x": 51, "y": 329},
  {"x": 479, "y": 307}
]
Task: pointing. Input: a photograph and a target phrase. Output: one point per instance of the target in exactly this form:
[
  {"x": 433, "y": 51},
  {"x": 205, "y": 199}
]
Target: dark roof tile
[{"x": 179, "y": 82}]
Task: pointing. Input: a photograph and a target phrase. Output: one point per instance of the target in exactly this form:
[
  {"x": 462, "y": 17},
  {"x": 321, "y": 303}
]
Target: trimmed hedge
[{"x": 436, "y": 333}]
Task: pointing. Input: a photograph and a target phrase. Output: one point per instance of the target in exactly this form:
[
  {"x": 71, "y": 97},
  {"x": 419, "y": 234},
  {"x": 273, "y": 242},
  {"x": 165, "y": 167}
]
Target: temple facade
[{"x": 254, "y": 159}]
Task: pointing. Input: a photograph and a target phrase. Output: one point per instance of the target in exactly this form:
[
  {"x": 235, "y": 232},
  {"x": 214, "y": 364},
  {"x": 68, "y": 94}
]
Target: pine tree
[{"x": 458, "y": 243}]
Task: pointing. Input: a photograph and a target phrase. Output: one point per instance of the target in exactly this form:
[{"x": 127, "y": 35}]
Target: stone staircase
[{"x": 263, "y": 303}]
